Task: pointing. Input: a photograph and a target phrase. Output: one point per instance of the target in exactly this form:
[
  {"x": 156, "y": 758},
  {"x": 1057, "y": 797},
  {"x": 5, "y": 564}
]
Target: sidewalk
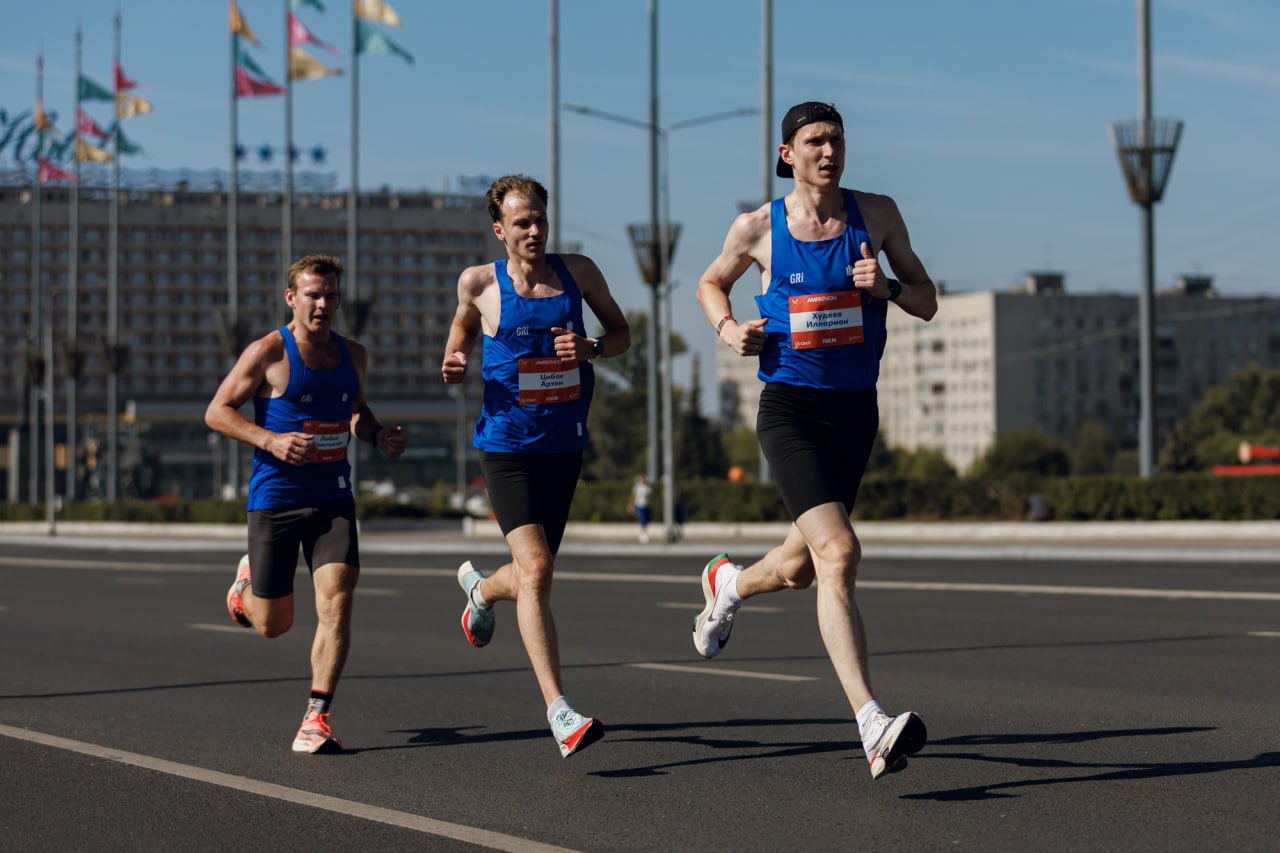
[{"x": 1173, "y": 541}]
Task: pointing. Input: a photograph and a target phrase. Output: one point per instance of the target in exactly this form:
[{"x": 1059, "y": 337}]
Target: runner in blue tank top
[
  {"x": 538, "y": 382},
  {"x": 819, "y": 340},
  {"x": 307, "y": 387}
]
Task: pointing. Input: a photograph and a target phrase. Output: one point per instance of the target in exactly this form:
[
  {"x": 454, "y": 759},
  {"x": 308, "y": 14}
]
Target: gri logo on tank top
[{"x": 796, "y": 278}]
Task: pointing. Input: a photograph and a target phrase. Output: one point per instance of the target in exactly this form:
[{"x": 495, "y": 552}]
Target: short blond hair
[{"x": 321, "y": 265}]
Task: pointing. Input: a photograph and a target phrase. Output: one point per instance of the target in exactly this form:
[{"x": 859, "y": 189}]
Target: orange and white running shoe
[
  {"x": 901, "y": 736},
  {"x": 315, "y": 735},
  {"x": 574, "y": 731},
  {"x": 235, "y": 595}
]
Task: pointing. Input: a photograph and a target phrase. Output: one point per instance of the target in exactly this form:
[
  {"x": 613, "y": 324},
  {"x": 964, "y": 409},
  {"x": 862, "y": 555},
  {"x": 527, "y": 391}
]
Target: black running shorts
[
  {"x": 817, "y": 441},
  {"x": 326, "y": 533},
  {"x": 532, "y": 488}
]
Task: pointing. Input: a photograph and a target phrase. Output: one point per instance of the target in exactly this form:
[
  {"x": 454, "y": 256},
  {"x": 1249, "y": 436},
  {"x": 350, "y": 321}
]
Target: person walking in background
[
  {"x": 638, "y": 503},
  {"x": 532, "y": 428},
  {"x": 819, "y": 340},
  {"x": 307, "y": 387}
]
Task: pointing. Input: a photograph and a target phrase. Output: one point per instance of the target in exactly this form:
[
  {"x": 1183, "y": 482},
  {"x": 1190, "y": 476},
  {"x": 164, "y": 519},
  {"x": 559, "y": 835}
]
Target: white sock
[
  {"x": 477, "y": 598},
  {"x": 867, "y": 715},
  {"x": 730, "y": 600},
  {"x": 560, "y": 704}
]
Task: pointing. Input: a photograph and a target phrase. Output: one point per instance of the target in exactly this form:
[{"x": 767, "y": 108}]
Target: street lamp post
[
  {"x": 654, "y": 247},
  {"x": 1145, "y": 148}
]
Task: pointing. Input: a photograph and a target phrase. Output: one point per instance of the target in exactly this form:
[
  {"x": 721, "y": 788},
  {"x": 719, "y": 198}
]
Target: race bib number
[
  {"x": 328, "y": 439},
  {"x": 825, "y": 319},
  {"x": 548, "y": 380}
]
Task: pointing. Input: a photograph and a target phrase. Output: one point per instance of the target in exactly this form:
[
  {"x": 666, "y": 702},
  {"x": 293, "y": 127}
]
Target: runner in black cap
[{"x": 819, "y": 339}]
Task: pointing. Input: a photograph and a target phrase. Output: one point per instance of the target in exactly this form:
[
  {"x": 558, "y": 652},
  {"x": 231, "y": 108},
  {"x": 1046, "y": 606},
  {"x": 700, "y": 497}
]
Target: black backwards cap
[{"x": 796, "y": 118}]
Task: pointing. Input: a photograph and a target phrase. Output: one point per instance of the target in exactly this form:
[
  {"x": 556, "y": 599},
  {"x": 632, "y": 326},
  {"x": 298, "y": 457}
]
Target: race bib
[
  {"x": 548, "y": 380},
  {"x": 825, "y": 319},
  {"x": 328, "y": 439}
]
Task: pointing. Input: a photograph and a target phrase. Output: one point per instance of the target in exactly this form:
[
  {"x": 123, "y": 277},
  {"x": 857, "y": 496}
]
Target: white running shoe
[
  {"x": 899, "y": 737},
  {"x": 477, "y": 622},
  {"x": 710, "y": 635},
  {"x": 574, "y": 731}
]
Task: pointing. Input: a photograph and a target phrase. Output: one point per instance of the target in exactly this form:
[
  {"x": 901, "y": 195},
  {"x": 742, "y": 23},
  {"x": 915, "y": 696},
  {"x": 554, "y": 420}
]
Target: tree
[
  {"x": 1247, "y": 408},
  {"x": 1095, "y": 450},
  {"x": 698, "y": 451},
  {"x": 1024, "y": 451}
]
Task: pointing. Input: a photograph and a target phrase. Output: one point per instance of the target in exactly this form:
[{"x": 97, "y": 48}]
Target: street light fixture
[{"x": 656, "y": 243}]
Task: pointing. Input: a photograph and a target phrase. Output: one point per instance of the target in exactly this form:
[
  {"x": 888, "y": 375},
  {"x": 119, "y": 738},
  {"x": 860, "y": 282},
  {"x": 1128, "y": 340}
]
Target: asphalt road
[{"x": 1071, "y": 705}]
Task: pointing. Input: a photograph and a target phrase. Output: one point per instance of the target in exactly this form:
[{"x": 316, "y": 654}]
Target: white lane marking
[
  {"x": 691, "y": 605},
  {"x": 625, "y": 577},
  {"x": 405, "y": 820},
  {"x": 1250, "y": 634},
  {"x": 1105, "y": 591},
  {"x": 709, "y": 670},
  {"x": 226, "y": 629}
]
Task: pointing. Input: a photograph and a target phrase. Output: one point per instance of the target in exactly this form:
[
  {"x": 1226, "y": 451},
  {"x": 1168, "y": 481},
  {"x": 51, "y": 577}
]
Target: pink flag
[
  {"x": 249, "y": 87},
  {"x": 300, "y": 35},
  {"x": 86, "y": 126},
  {"x": 123, "y": 82},
  {"x": 50, "y": 172}
]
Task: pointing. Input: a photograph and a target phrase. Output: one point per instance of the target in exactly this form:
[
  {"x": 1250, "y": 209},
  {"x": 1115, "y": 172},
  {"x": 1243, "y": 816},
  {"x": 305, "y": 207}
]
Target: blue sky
[{"x": 986, "y": 121}]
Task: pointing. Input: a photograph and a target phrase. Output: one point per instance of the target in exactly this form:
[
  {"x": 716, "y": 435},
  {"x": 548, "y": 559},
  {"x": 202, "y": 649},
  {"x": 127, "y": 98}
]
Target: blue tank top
[
  {"x": 820, "y": 331},
  {"x": 533, "y": 402},
  {"x": 319, "y": 403}
]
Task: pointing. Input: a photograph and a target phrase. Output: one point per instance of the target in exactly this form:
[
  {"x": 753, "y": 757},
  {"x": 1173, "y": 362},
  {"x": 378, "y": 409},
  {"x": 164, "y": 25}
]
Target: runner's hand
[
  {"x": 291, "y": 447},
  {"x": 571, "y": 347},
  {"x": 454, "y": 368},
  {"x": 746, "y": 339},
  {"x": 392, "y": 440},
  {"x": 868, "y": 276}
]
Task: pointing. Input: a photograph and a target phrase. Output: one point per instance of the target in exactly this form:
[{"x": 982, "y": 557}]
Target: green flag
[
  {"x": 91, "y": 91},
  {"x": 314, "y": 4},
  {"x": 369, "y": 40},
  {"x": 124, "y": 146},
  {"x": 245, "y": 61}
]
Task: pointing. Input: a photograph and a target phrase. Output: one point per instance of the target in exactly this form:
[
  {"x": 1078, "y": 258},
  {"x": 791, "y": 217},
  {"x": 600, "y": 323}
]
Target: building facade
[{"x": 172, "y": 299}]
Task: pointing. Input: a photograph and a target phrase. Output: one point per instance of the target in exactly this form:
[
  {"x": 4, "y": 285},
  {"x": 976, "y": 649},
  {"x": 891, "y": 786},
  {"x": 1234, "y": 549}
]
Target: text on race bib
[
  {"x": 825, "y": 319},
  {"x": 329, "y": 439},
  {"x": 548, "y": 380}
]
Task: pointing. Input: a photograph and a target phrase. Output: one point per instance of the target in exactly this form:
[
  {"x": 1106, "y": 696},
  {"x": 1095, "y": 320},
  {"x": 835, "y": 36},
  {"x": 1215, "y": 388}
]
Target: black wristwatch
[
  {"x": 597, "y": 346},
  {"x": 895, "y": 289}
]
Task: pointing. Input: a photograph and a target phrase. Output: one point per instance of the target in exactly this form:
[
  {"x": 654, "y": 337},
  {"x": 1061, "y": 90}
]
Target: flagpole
[
  {"x": 72, "y": 349},
  {"x": 286, "y": 212},
  {"x": 34, "y": 356},
  {"x": 353, "y": 208},
  {"x": 113, "y": 292},
  {"x": 233, "y": 254},
  {"x": 554, "y": 212}
]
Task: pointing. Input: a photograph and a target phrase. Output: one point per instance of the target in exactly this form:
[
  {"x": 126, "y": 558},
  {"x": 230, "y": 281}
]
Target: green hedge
[{"x": 882, "y": 497}]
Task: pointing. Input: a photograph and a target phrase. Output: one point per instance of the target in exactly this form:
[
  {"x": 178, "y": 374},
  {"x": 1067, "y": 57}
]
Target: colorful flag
[
  {"x": 240, "y": 26},
  {"x": 314, "y": 4},
  {"x": 124, "y": 145},
  {"x": 369, "y": 40},
  {"x": 249, "y": 87},
  {"x": 299, "y": 35},
  {"x": 128, "y": 106},
  {"x": 304, "y": 66},
  {"x": 50, "y": 172},
  {"x": 91, "y": 91},
  {"x": 86, "y": 153},
  {"x": 378, "y": 11},
  {"x": 42, "y": 120},
  {"x": 245, "y": 61},
  {"x": 86, "y": 126},
  {"x": 122, "y": 80}
]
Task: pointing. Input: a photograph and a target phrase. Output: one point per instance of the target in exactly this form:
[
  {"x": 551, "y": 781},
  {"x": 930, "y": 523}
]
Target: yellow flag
[
  {"x": 42, "y": 120},
  {"x": 129, "y": 105},
  {"x": 239, "y": 26},
  {"x": 378, "y": 11},
  {"x": 304, "y": 66},
  {"x": 86, "y": 153}
]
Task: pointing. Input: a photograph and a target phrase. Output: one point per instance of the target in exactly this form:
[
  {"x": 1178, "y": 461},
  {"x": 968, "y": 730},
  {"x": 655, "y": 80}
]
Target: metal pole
[
  {"x": 1146, "y": 301},
  {"x": 554, "y": 212},
  {"x": 113, "y": 308},
  {"x": 664, "y": 351},
  {"x": 48, "y": 438},
  {"x": 286, "y": 198},
  {"x": 233, "y": 260},
  {"x": 654, "y": 296},
  {"x": 460, "y": 446},
  {"x": 37, "y": 316},
  {"x": 766, "y": 98},
  {"x": 73, "y": 274},
  {"x": 353, "y": 209}
]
